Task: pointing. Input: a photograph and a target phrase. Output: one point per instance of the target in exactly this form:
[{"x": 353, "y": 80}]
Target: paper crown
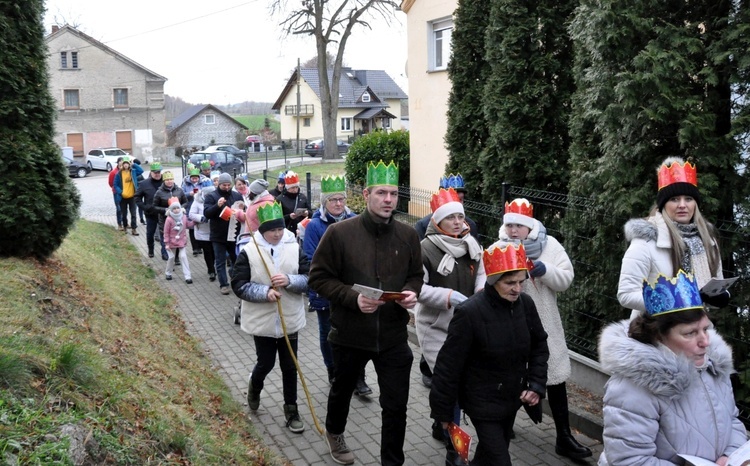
[
  {"x": 332, "y": 184},
  {"x": 452, "y": 181},
  {"x": 667, "y": 295},
  {"x": 443, "y": 197},
  {"x": 291, "y": 178},
  {"x": 156, "y": 167},
  {"x": 382, "y": 174},
  {"x": 194, "y": 172},
  {"x": 520, "y": 206},
  {"x": 206, "y": 165},
  {"x": 167, "y": 176},
  {"x": 269, "y": 211},
  {"x": 125, "y": 159},
  {"x": 672, "y": 171},
  {"x": 501, "y": 259}
]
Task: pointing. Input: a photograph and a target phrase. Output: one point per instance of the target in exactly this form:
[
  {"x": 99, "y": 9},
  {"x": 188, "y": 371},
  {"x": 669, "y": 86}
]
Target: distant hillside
[{"x": 175, "y": 105}]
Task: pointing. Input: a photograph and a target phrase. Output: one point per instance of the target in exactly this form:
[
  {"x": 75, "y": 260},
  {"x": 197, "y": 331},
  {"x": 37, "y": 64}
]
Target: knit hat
[
  {"x": 225, "y": 178},
  {"x": 445, "y": 203},
  {"x": 258, "y": 186},
  {"x": 155, "y": 167},
  {"x": 330, "y": 185},
  {"x": 270, "y": 216},
  {"x": 503, "y": 257},
  {"x": 291, "y": 179},
  {"x": 281, "y": 176},
  {"x": 519, "y": 211},
  {"x": 676, "y": 178},
  {"x": 167, "y": 176}
]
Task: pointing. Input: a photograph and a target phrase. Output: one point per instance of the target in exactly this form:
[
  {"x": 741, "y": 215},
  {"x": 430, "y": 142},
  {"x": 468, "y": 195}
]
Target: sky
[{"x": 222, "y": 51}]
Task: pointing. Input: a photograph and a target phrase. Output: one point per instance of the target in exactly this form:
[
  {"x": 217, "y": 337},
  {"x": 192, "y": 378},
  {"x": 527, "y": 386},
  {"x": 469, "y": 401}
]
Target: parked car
[
  {"x": 75, "y": 167},
  {"x": 237, "y": 152},
  {"x": 104, "y": 158},
  {"x": 220, "y": 161},
  {"x": 316, "y": 147}
]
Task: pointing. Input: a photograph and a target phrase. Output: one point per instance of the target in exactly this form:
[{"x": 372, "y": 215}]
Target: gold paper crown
[
  {"x": 508, "y": 258},
  {"x": 269, "y": 211},
  {"x": 443, "y": 196},
  {"x": 291, "y": 178},
  {"x": 332, "y": 184},
  {"x": 677, "y": 172},
  {"x": 520, "y": 206},
  {"x": 382, "y": 174}
]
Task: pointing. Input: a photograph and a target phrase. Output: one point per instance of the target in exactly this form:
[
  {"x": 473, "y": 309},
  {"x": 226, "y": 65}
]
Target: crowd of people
[{"x": 487, "y": 320}]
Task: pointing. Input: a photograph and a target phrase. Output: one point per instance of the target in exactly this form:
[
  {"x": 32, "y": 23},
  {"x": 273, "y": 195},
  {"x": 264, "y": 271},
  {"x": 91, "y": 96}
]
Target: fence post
[
  {"x": 504, "y": 195},
  {"x": 308, "y": 179},
  {"x": 265, "y": 174}
]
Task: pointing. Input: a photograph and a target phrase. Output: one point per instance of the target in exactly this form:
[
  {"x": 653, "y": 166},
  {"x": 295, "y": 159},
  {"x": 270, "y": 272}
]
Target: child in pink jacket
[{"x": 175, "y": 239}]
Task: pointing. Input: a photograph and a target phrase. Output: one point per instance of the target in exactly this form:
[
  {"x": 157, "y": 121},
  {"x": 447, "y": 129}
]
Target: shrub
[{"x": 378, "y": 145}]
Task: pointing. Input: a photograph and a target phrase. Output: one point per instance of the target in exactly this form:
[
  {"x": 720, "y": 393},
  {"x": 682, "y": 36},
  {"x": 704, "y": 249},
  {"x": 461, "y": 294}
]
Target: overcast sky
[{"x": 221, "y": 51}]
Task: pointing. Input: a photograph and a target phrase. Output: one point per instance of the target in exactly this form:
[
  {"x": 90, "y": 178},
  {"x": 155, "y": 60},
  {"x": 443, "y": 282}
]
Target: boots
[
  {"x": 135, "y": 233},
  {"x": 253, "y": 397},
  {"x": 566, "y": 444},
  {"x": 330, "y": 375},
  {"x": 293, "y": 421},
  {"x": 452, "y": 457},
  {"x": 361, "y": 388}
]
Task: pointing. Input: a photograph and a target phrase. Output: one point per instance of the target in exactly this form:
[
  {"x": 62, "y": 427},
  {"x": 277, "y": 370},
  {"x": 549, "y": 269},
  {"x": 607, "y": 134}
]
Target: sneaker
[
  {"x": 362, "y": 389},
  {"x": 177, "y": 261},
  {"x": 168, "y": 277},
  {"x": 120, "y": 227},
  {"x": 224, "y": 290},
  {"x": 437, "y": 431},
  {"x": 212, "y": 277},
  {"x": 135, "y": 233},
  {"x": 151, "y": 255},
  {"x": 253, "y": 396},
  {"x": 339, "y": 451},
  {"x": 143, "y": 222},
  {"x": 293, "y": 421},
  {"x": 164, "y": 257},
  {"x": 188, "y": 281}
]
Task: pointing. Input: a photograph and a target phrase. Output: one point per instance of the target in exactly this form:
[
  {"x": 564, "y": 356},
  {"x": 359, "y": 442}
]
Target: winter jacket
[
  {"x": 218, "y": 226},
  {"x": 144, "y": 196},
  {"x": 135, "y": 172},
  {"x": 543, "y": 290},
  {"x": 161, "y": 202},
  {"x": 657, "y": 404},
  {"x": 495, "y": 349},
  {"x": 433, "y": 312},
  {"x": 422, "y": 223},
  {"x": 313, "y": 232},
  {"x": 174, "y": 239},
  {"x": 289, "y": 205},
  {"x": 251, "y": 282},
  {"x": 188, "y": 187},
  {"x": 647, "y": 257},
  {"x": 201, "y": 229},
  {"x": 379, "y": 255}
]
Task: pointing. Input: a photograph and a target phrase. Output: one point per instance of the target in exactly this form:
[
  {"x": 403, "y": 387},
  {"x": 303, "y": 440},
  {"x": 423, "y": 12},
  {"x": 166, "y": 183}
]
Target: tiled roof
[{"x": 191, "y": 112}]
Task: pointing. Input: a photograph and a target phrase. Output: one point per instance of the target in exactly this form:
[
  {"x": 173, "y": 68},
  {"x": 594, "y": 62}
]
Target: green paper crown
[
  {"x": 332, "y": 184},
  {"x": 381, "y": 174},
  {"x": 205, "y": 165},
  {"x": 269, "y": 211}
]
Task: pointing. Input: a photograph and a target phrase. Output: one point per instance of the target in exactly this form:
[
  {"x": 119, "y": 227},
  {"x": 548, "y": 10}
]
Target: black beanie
[
  {"x": 271, "y": 224},
  {"x": 677, "y": 189}
]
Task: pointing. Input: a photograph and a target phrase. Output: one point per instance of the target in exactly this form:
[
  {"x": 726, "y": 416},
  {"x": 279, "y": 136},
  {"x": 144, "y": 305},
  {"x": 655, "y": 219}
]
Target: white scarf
[{"x": 453, "y": 247}]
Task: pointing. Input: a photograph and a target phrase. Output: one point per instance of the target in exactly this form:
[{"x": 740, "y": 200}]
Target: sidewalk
[{"x": 209, "y": 317}]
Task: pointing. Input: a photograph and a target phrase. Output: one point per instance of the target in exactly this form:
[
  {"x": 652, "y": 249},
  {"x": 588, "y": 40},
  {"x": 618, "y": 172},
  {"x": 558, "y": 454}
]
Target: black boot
[
  {"x": 566, "y": 444},
  {"x": 361, "y": 388},
  {"x": 330, "y": 375},
  {"x": 452, "y": 457}
]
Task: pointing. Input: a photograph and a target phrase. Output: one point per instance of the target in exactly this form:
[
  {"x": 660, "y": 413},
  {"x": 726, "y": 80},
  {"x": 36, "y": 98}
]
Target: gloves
[
  {"x": 457, "y": 298},
  {"x": 538, "y": 270},
  {"x": 719, "y": 300}
]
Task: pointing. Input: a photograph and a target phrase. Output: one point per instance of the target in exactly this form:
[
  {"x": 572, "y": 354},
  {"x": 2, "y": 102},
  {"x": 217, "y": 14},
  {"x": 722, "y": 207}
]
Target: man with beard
[
  {"x": 144, "y": 198},
  {"x": 222, "y": 240},
  {"x": 294, "y": 204}
]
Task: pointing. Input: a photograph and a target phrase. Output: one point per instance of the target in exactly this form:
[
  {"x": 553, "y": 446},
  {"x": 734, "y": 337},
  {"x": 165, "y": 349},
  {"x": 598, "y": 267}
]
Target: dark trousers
[
  {"x": 324, "y": 328},
  {"x": 152, "y": 223},
  {"x": 393, "y": 367},
  {"x": 125, "y": 206},
  {"x": 493, "y": 441},
  {"x": 117, "y": 211},
  {"x": 194, "y": 245},
  {"x": 265, "y": 350},
  {"x": 208, "y": 255},
  {"x": 221, "y": 250}
]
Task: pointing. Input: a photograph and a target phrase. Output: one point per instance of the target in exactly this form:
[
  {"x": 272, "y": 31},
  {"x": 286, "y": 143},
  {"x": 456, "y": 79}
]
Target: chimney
[{"x": 55, "y": 28}]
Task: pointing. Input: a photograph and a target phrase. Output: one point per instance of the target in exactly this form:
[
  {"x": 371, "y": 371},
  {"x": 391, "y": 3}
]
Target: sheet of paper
[
  {"x": 717, "y": 286},
  {"x": 375, "y": 293}
]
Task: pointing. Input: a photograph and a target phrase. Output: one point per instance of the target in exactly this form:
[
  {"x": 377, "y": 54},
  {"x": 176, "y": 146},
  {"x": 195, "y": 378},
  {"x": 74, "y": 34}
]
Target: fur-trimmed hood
[
  {"x": 657, "y": 369},
  {"x": 641, "y": 228}
]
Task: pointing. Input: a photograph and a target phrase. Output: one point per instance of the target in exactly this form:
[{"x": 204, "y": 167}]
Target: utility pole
[{"x": 298, "y": 103}]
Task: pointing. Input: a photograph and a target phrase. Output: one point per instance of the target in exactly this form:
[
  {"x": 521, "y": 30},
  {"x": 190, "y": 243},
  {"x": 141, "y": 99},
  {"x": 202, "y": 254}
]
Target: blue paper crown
[
  {"x": 667, "y": 295},
  {"x": 452, "y": 181}
]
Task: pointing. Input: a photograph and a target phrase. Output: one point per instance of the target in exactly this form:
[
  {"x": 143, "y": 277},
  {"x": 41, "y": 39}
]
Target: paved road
[{"x": 208, "y": 316}]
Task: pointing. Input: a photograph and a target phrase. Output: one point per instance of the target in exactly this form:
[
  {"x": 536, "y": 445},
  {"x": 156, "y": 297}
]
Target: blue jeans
[
  {"x": 152, "y": 223},
  {"x": 221, "y": 250},
  {"x": 265, "y": 350},
  {"x": 324, "y": 328},
  {"x": 117, "y": 214},
  {"x": 393, "y": 367}
]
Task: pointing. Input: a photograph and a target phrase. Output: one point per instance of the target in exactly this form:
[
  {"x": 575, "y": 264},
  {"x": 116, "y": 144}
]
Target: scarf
[
  {"x": 177, "y": 217},
  {"x": 535, "y": 246},
  {"x": 453, "y": 247},
  {"x": 692, "y": 239}
]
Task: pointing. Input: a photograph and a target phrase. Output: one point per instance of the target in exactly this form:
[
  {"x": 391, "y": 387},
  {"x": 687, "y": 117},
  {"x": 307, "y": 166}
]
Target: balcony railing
[{"x": 304, "y": 110}]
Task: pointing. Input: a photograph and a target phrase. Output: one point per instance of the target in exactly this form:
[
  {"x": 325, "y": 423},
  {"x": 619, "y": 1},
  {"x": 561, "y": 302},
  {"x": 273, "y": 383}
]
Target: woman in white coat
[
  {"x": 552, "y": 273},
  {"x": 675, "y": 236}
]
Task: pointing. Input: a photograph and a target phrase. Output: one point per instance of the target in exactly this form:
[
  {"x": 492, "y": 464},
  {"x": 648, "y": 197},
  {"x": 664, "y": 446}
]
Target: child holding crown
[{"x": 272, "y": 268}]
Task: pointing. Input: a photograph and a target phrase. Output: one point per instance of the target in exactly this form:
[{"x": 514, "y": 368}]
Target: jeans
[
  {"x": 324, "y": 328},
  {"x": 493, "y": 441},
  {"x": 393, "y": 367},
  {"x": 208, "y": 255},
  {"x": 125, "y": 205},
  {"x": 117, "y": 211},
  {"x": 221, "y": 250},
  {"x": 152, "y": 223},
  {"x": 265, "y": 350}
]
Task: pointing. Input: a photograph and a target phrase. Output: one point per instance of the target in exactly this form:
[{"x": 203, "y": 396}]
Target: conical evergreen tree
[{"x": 38, "y": 201}]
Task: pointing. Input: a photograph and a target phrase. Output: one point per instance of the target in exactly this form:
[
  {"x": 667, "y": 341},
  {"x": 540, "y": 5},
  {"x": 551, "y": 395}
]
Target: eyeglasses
[
  {"x": 337, "y": 200},
  {"x": 156, "y": 171}
]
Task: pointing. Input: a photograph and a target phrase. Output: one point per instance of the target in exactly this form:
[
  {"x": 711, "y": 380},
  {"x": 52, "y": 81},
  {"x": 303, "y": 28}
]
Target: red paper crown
[
  {"x": 443, "y": 196},
  {"x": 501, "y": 259},
  {"x": 291, "y": 177},
  {"x": 677, "y": 172},
  {"x": 520, "y": 206}
]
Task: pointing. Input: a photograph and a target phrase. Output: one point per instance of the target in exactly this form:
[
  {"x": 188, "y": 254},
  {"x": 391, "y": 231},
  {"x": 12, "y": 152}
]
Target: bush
[{"x": 378, "y": 145}]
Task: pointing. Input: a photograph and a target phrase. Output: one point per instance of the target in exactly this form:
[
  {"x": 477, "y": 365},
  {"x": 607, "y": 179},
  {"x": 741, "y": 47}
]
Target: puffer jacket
[
  {"x": 161, "y": 202},
  {"x": 658, "y": 404},
  {"x": 218, "y": 226},
  {"x": 495, "y": 349},
  {"x": 379, "y": 255}
]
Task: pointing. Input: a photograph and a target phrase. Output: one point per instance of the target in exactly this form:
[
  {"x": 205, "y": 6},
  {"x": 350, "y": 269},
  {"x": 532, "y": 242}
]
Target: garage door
[
  {"x": 125, "y": 140},
  {"x": 75, "y": 140}
]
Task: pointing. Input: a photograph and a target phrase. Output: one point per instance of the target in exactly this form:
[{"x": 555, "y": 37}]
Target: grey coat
[{"x": 658, "y": 404}]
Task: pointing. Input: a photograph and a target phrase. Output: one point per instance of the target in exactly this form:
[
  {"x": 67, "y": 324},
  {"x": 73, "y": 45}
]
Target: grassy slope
[
  {"x": 256, "y": 122},
  {"x": 88, "y": 338}
]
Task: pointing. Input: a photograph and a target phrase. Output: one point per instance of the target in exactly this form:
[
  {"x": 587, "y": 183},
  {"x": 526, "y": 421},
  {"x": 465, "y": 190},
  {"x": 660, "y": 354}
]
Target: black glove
[
  {"x": 720, "y": 300},
  {"x": 538, "y": 270}
]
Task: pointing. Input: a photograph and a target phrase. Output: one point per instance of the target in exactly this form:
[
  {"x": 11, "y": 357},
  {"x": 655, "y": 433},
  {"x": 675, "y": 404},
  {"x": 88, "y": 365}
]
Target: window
[
  {"x": 440, "y": 44},
  {"x": 366, "y": 97},
  {"x": 72, "y": 101},
  {"x": 306, "y": 122},
  {"x": 386, "y": 122},
  {"x": 121, "y": 98},
  {"x": 209, "y": 119},
  {"x": 346, "y": 124},
  {"x": 74, "y": 59},
  {"x": 63, "y": 59}
]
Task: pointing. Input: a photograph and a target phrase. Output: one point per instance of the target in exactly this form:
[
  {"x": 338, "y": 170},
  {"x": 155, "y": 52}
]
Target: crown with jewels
[
  {"x": 667, "y": 295},
  {"x": 501, "y": 259},
  {"x": 443, "y": 197},
  {"x": 382, "y": 174},
  {"x": 332, "y": 184},
  {"x": 452, "y": 181},
  {"x": 291, "y": 178},
  {"x": 520, "y": 206},
  {"x": 677, "y": 172},
  {"x": 269, "y": 211}
]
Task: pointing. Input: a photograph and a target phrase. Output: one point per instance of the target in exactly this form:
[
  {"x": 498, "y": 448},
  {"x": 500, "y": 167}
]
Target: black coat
[
  {"x": 219, "y": 227},
  {"x": 289, "y": 205},
  {"x": 495, "y": 349},
  {"x": 144, "y": 196},
  {"x": 161, "y": 202}
]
